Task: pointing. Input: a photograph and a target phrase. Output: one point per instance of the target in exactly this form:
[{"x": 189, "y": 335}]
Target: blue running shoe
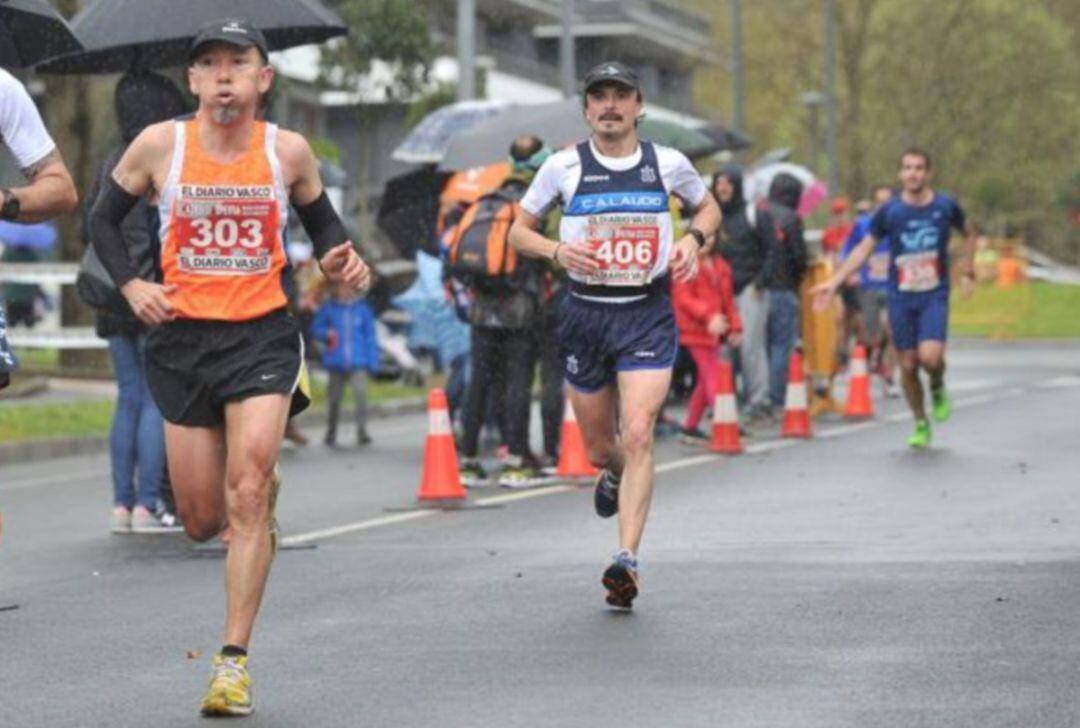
[
  {"x": 606, "y": 498},
  {"x": 621, "y": 581}
]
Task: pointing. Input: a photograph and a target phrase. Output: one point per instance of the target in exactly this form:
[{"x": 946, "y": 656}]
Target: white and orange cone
[
  {"x": 440, "y": 480},
  {"x": 725, "y": 431},
  {"x": 859, "y": 404},
  {"x": 796, "y": 401}
]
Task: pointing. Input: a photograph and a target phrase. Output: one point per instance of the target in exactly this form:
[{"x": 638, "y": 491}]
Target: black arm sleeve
[
  {"x": 322, "y": 224},
  {"x": 112, "y": 206}
]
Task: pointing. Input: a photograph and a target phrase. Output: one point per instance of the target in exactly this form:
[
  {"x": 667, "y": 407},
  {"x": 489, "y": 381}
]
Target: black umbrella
[
  {"x": 31, "y": 31},
  {"x": 727, "y": 139},
  {"x": 409, "y": 210},
  {"x": 121, "y": 35}
]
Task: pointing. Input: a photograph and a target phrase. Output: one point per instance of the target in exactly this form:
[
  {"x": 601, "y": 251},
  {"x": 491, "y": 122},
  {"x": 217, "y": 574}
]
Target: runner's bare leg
[
  {"x": 932, "y": 360},
  {"x": 197, "y": 471},
  {"x": 595, "y": 413},
  {"x": 641, "y": 394},
  {"x": 254, "y": 429},
  {"x": 913, "y": 388}
]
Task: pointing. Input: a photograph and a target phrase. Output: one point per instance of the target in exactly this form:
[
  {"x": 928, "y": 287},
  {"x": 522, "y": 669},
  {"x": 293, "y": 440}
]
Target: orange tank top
[{"x": 222, "y": 229}]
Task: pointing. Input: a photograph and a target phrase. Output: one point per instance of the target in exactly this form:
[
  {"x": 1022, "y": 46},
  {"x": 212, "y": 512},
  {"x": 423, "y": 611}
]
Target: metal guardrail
[
  {"x": 74, "y": 337},
  {"x": 63, "y": 274},
  {"x": 40, "y": 273}
]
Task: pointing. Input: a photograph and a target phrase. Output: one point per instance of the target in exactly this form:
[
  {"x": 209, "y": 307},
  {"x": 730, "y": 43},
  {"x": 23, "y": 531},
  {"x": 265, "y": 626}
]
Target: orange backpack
[{"x": 479, "y": 251}]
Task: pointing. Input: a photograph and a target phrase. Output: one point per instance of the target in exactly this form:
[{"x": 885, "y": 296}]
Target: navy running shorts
[
  {"x": 599, "y": 339},
  {"x": 918, "y": 318},
  {"x": 194, "y": 368}
]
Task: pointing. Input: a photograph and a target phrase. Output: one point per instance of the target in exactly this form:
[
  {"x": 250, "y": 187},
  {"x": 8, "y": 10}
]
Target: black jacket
[
  {"x": 740, "y": 244},
  {"x": 778, "y": 221}
]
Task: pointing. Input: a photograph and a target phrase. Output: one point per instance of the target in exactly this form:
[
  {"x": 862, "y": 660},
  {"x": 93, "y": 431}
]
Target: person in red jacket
[{"x": 706, "y": 315}]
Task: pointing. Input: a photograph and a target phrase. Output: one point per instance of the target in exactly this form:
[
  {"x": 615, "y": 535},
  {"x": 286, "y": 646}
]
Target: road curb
[{"x": 61, "y": 447}]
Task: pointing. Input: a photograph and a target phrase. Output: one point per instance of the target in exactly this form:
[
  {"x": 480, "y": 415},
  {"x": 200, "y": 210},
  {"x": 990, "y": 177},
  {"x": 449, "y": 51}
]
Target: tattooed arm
[{"x": 51, "y": 191}]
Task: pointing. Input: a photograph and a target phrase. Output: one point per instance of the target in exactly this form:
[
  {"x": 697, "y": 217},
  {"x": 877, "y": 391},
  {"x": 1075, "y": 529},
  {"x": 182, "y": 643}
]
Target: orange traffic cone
[
  {"x": 796, "y": 414},
  {"x": 573, "y": 457},
  {"x": 725, "y": 429},
  {"x": 440, "y": 479},
  {"x": 859, "y": 405}
]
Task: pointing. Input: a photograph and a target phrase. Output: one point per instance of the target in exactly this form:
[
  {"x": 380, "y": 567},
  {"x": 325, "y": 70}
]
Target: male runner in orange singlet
[{"x": 224, "y": 357}]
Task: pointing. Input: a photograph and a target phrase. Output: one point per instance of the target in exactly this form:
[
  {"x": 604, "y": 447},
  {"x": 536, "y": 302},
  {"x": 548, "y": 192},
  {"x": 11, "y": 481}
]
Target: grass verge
[
  {"x": 1030, "y": 311},
  {"x": 22, "y": 422}
]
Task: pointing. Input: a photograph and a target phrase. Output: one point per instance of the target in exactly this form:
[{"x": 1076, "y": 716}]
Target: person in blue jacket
[{"x": 345, "y": 326}]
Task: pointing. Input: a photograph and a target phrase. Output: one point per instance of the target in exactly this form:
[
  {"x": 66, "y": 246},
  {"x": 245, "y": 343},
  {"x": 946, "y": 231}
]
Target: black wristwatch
[
  {"x": 698, "y": 236},
  {"x": 11, "y": 207}
]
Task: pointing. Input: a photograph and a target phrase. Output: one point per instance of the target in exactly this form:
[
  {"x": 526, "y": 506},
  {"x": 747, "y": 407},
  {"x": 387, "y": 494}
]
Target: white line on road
[
  {"x": 302, "y": 538},
  {"x": 495, "y": 500}
]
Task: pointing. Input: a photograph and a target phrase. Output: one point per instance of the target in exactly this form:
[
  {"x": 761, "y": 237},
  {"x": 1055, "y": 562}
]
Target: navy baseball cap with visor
[{"x": 234, "y": 31}]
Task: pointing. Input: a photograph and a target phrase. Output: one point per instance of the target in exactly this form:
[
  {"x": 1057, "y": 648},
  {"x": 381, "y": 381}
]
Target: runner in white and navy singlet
[
  {"x": 619, "y": 318},
  {"x": 616, "y": 331}
]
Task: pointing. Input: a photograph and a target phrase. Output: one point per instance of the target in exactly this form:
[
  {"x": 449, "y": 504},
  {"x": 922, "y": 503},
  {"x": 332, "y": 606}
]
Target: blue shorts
[
  {"x": 915, "y": 319},
  {"x": 597, "y": 339}
]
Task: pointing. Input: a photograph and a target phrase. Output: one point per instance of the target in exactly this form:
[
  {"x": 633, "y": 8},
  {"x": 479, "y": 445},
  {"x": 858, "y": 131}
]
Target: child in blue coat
[{"x": 345, "y": 325}]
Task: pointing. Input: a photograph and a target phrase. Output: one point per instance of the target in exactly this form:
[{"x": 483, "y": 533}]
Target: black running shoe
[
  {"x": 621, "y": 581},
  {"x": 606, "y": 498}
]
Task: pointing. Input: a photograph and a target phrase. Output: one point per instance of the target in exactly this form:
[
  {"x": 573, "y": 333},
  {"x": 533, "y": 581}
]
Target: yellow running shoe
[{"x": 230, "y": 687}]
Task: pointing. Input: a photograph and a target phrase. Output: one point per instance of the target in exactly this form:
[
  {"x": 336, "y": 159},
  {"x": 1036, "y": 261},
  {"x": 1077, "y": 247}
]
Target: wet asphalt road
[{"x": 843, "y": 581}]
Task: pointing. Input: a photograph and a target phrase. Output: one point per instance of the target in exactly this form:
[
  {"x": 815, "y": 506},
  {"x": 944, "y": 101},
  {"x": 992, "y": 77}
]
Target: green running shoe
[
  {"x": 920, "y": 439},
  {"x": 942, "y": 404}
]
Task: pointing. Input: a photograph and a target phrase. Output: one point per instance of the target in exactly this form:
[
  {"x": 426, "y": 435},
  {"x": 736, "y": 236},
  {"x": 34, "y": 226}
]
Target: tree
[
  {"x": 990, "y": 87},
  {"x": 390, "y": 31}
]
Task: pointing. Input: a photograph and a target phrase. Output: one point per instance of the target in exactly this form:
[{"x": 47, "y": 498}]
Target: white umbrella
[{"x": 427, "y": 143}]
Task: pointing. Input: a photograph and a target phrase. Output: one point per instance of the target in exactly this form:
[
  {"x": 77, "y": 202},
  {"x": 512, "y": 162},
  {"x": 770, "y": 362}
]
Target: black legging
[
  {"x": 552, "y": 398},
  {"x": 503, "y": 361}
]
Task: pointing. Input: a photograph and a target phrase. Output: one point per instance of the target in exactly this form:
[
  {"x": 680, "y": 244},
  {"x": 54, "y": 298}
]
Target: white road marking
[
  {"x": 302, "y": 538},
  {"x": 494, "y": 500},
  {"x": 1060, "y": 382}
]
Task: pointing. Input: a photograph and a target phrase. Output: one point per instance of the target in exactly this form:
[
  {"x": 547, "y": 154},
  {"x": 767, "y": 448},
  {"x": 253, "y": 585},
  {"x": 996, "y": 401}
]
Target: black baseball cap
[
  {"x": 234, "y": 31},
  {"x": 612, "y": 72}
]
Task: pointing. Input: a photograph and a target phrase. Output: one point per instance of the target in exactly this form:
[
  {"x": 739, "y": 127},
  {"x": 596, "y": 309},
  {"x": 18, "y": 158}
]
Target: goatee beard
[{"x": 225, "y": 114}]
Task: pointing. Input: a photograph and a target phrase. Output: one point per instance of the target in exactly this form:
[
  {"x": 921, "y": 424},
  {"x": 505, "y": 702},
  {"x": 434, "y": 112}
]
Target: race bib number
[
  {"x": 226, "y": 229},
  {"x": 878, "y": 267},
  {"x": 627, "y": 248},
  {"x": 918, "y": 272}
]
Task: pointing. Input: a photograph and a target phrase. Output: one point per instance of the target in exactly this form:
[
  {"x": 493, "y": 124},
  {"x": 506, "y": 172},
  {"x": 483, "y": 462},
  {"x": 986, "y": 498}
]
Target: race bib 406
[{"x": 626, "y": 250}]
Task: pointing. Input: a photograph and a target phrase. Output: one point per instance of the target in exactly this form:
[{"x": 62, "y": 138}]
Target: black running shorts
[{"x": 195, "y": 367}]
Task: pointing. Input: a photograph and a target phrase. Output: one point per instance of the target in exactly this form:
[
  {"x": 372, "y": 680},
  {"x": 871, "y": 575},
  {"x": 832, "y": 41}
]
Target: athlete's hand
[
  {"x": 967, "y": 286},
  {"x": 149, "y": 301},
  {"x": 822, "y": 294},
  {"x": 342, "y": 264},
  {"x": 684, "y": 259},
  {"x": 578, "y": 259}
]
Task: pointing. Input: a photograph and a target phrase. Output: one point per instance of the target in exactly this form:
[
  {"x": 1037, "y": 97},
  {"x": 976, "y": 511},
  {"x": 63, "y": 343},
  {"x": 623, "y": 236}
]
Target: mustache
[{"x": 611, "y": 117}]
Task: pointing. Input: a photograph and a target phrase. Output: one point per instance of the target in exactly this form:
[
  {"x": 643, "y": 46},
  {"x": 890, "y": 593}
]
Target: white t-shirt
[
  {"x": 558, "y": 179},
  {"x": 21, "y": 128}
]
